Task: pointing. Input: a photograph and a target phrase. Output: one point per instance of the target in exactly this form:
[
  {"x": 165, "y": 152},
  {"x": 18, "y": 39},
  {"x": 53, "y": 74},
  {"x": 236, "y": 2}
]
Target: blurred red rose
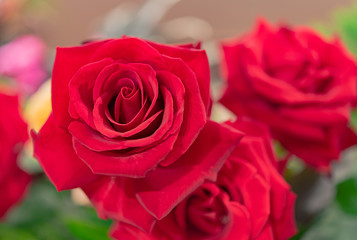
[
  {"x": 299, "y": 84},
  {"x": 22, "y": 61},
  {"x": 129, "y": 126},
  {"x": 13, "y": 180},
  {"x": 249, "y": 200}
]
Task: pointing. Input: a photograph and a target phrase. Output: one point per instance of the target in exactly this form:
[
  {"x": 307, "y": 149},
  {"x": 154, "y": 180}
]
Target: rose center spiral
[
  {"x": 206, "y": 211},
  {"x": 126, "y": 102}
]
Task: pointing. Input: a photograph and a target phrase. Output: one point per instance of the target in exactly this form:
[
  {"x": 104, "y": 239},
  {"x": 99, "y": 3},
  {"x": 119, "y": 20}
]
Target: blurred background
[
  {"x": 67, "y": 22},
  {"x": 31, "y": 29}
]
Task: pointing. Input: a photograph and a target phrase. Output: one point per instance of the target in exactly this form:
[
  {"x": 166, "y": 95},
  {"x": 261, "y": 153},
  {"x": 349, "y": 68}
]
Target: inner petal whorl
[
  {"x": 206, "y": 210},
  {"x": 126, "y": 102}
]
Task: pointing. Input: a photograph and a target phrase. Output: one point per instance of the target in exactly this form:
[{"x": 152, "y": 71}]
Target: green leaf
[
  {"x": 353, "y": 120},
  {"x": 346, "y": 25},
  {"x": 7, "y": 233},
  {"x": 87, "y": 230},
  {"x": 347, "y": 196},
  {"x": 46, "y": 214}
]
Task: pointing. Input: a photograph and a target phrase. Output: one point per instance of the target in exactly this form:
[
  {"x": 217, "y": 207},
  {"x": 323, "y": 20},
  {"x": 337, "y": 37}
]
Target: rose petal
[
  {"x": 115, "y": 163},
  {"x": 261, "y": 110},
  {"x": 285, "y": 93},
  {"x": 61, "y": 164},
  {"x": 196, "y": 59},
  {"x": 9, "y": 107},
  {"x": 121, "y": 231},
  {"x": 155, "y": 129},
  {"x": 266, "y": 233},
  {"x": 80, "y": 90},
  {"x": 104, "y": 126},
  {"x": 13, "y": 189},
  {"x": 169, "y": 185},
  {"x": 132, "y": 50},
  {"x": 240, "y": 223},
  {"x": 285, "y": 227},
  {"x": 114, "y": 198},
  {"x": 68, "y": 61},
  {"x": 195, "y": 115},
  {"x": 251, "y": 185}
]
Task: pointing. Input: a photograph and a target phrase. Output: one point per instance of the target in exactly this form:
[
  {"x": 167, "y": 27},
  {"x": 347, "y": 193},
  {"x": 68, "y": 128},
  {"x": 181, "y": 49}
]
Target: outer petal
[
  {"x": 85, "y": 78},
  {"x": 348, "y": 138},
  {"x": 257, "y": 129},
  {"x": 170, "y": 185},
  {"x": 122, "y": 231},
  {"x": 251, "y": 185},
  {"x": 194, "y": 110},
  {"x": 315, "y": 153},
  {"x": 53, "y": 149},
  {"x": 284, "y": 227},
  {"x": 266, "y": 234},
  {"x": 9, "y": 107},
  {"x": 114, "y": 198},
  {"x": 67, "y": 62},
  {"x": 278, "y": 91},
  {"x": 13, "y": 189},
  {"x": 124, "y": 164},
  {"x": 262, "y": 110},
  {"x": 130, "y": 50},
  {"x": 196, "y": 59},
  {"x": 241, "y": 223}
]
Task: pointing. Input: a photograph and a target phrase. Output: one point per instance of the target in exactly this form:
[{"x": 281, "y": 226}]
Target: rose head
[
  {"x": 129, "y": 125},
  {"x": 299, "y": 84},
  {"x": 250, "y": 199},
  {"x": 13, "y": 129}
]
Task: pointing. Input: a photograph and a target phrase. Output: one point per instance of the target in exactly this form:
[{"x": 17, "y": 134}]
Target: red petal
[
  {"x": 130, "y": 50},
  {"x": 170, "y": 185},
  {"x": 128, "y": 164},
  {"x": 81, "y": 87},
  {"x": 194, "y": 110},
  {"x": 53, "y": 149},
  {"x": 196, "y": 59},
  {"x": 122, "y": 231},
  {"x": 68, "y": 61},
  {"x": 240, "y": 223},
  {"x": 284, "y": 227},
  {"x": 251, "y": 185},
  {"x": 114, "y": 198},
  {"x": 13, "y": 188},
  {"x": 11, "y": 120}
]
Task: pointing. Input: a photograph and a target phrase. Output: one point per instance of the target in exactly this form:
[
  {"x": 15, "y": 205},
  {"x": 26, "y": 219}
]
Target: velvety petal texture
[
  {"x": 13, "y": 180},
  {"x": 300, "y": 85},
  {"x": 248, "y": 200},
  {"x": 129, "y": 125}
]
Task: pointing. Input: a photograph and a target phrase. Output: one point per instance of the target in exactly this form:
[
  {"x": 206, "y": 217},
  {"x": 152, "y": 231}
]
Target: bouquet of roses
[{"x": 131, "y": 126}]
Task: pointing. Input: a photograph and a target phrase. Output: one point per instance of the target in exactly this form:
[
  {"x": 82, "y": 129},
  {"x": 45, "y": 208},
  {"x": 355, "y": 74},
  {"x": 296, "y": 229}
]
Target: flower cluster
[{"x": 131, "y": 126}]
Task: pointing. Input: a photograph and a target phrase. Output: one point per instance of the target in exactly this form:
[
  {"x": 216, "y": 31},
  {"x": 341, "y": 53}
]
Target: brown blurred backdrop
[{"x": 68, "y": 22}]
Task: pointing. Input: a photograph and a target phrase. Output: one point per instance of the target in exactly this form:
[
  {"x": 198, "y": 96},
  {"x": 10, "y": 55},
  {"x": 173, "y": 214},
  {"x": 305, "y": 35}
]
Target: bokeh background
[
  {"x": 67, "y": 22},
  {"x": 326, "y": 205}
]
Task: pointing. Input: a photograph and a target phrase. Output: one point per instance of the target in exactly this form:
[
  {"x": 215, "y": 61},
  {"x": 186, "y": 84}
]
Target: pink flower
[{"x": 21, "y": 60}]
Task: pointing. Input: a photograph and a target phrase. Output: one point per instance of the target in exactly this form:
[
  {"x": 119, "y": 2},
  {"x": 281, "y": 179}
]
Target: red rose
[
  {"x": 13, "y": 180},
  {"x": 249, "y": 200},
  {"x": 298, "y": 84},
  {"x": 129, "y": 125}
]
